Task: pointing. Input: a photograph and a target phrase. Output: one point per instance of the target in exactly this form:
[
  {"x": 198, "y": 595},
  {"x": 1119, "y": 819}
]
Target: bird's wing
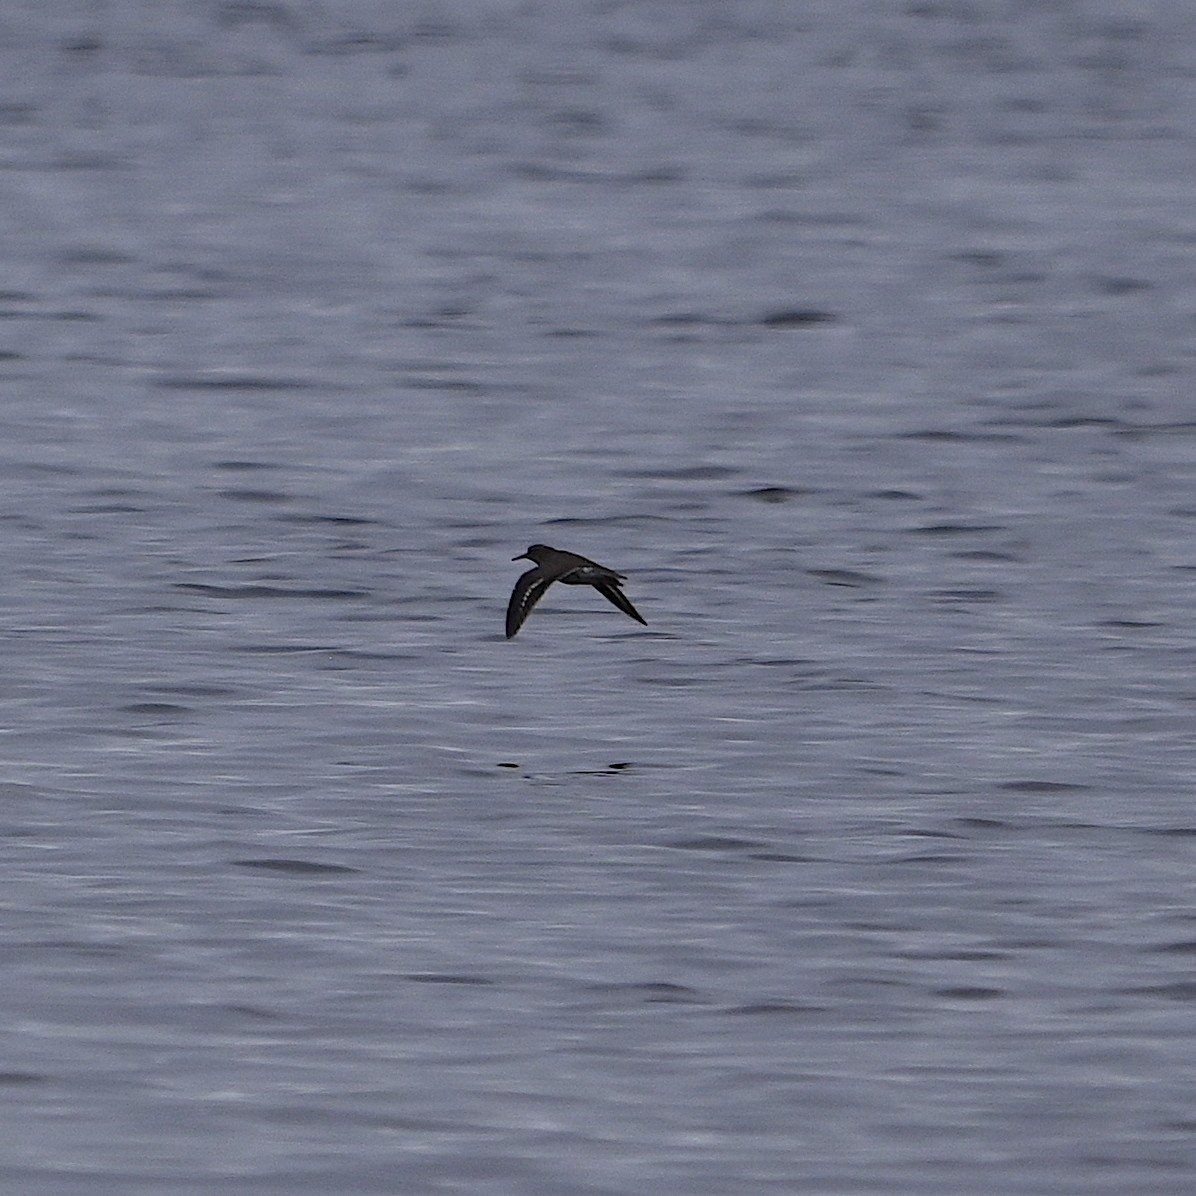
[
  {"x": 529, "y": 589},
  {"x": 611, "y": 592},
  {"x": 593, "y": 568}
]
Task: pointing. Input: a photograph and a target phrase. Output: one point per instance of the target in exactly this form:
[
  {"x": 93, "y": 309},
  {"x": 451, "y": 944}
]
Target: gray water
[{"x": 860, "y": 336}]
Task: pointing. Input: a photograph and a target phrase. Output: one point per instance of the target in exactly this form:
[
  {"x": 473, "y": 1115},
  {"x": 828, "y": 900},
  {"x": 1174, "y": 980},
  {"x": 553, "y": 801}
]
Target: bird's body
[{"x": 554, "y": 564}]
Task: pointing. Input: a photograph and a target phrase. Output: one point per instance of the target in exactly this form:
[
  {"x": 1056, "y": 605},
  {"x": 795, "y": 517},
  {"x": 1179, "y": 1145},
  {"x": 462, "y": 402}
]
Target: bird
[{"x": 554, "y": 564}]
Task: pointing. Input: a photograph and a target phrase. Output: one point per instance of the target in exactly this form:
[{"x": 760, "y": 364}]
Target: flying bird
[{"x": 553, "y": 564}]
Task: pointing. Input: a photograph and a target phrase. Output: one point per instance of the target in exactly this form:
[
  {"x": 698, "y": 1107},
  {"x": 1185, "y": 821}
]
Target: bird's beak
[{"x": 521, "y": 557}]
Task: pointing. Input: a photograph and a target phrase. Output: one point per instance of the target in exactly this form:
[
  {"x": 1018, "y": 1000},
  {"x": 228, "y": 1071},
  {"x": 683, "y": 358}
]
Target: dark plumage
[{"x": 553, "y": 564}]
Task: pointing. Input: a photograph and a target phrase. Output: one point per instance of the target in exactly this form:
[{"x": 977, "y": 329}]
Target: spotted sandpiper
[{"x": 553, "y": 564}]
